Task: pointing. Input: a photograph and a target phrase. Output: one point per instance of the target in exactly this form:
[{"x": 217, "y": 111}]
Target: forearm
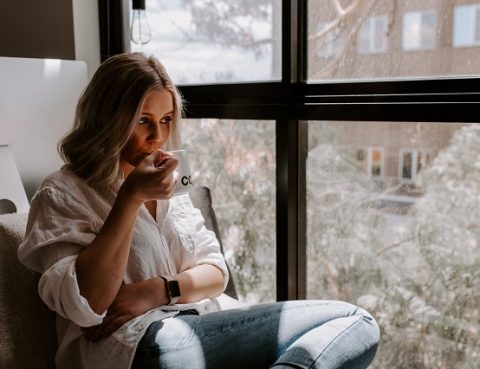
[
  {"x": 101, "y": 266},
  {"x": 200, "y": 282},
  {"x": 197, "y": 283}
]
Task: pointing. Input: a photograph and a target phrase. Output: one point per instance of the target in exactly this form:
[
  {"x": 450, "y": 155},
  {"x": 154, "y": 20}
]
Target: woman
[{"x": 135, "y": 278}]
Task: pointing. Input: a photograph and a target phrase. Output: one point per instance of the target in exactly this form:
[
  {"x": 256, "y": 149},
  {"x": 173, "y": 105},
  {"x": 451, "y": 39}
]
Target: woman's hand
[
  {"x": 131, "y": 301},
  {"x": 153, "y": 178}
]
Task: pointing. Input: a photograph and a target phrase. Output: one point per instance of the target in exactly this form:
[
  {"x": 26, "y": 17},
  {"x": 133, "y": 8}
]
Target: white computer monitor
[{"x": 38, "y": 98}]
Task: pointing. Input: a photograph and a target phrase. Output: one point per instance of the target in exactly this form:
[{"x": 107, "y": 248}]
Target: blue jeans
[{"x": 292, "y": 334}]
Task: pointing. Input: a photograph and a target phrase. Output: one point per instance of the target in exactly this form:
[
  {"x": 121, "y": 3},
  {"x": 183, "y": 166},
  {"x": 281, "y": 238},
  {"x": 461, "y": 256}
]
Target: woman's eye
[
  {"x": 167, "y": 120},
  {"x": 143, "y": 120}
]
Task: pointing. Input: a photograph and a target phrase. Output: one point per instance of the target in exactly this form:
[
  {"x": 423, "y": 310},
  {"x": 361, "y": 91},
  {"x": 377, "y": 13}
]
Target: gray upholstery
[{"x": 27, "y": 326}]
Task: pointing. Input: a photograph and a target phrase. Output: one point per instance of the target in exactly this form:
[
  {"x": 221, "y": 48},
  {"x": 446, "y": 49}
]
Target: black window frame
[{"x": 292, "y": 101}]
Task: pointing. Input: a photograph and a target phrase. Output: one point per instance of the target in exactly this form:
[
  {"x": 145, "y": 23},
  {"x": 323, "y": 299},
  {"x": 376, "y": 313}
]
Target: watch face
[{"x": 174, "y": 289}]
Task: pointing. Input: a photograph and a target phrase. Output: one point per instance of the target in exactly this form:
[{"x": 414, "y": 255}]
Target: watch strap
[{"x": 172, "y": 288}]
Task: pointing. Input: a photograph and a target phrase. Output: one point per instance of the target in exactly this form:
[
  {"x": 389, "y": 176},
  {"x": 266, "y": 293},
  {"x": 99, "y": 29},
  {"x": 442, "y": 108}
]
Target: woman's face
[{"x": 151, "y": 133}]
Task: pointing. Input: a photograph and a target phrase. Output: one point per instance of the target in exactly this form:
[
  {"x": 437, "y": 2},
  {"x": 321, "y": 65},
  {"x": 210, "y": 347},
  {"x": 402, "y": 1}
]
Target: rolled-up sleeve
[
  {"x": 207, "y": 248},
  {"x": 58, "y": 288},
  {"x": 58, "y": 229},
  {"x": 190, "y": 225},
  {"x": 208, "y": 252}
]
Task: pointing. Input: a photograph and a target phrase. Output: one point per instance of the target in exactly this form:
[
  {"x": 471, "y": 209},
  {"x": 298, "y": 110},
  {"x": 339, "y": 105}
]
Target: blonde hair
[{"x": 107, "y": 115}]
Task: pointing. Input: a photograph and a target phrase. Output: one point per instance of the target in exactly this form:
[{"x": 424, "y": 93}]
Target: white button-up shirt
[{"x": 65, "y": 216}]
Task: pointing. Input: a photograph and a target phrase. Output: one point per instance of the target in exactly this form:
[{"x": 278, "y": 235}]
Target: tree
[
  {"x": 419, "y": 284},
  {"x": 236, "y": 160}
]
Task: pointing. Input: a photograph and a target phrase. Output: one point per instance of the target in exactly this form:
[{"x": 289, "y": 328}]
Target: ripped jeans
[{"x": 291, "y": 334}]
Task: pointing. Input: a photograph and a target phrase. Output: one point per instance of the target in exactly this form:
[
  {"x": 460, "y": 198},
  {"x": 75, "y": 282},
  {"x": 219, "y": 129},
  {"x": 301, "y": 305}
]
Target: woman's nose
[{"x": 156, "y": 134}]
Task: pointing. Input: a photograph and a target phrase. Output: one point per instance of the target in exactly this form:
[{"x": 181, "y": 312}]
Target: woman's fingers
[
  {"x": 109, "y": 325},
  {"x": 114, "y": 324},
  {"x": 168, "y": 165},
  {"x": 153, "y": 178},
  {"x": 157, "y": 156}
]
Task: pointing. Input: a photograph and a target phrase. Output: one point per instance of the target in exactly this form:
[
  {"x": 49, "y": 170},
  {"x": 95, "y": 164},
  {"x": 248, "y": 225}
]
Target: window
[
  {"x": 394, "y": 247},
  {"x": 236, "y": 160},
  {"x": 211, "y": 42},
  {"x": 371, "y": 160},
  {"x": 372, "y": 37},
  {"x": 466, "y": 25},
  {"x": 390, "y": 39},
  {"x": 330, "y": 40},
  {"x": 347, "y": 224},
  {"x": 375, "y": 161},
  {"x": 411, "y": 162},
  {"x": 420, "y": 30}
]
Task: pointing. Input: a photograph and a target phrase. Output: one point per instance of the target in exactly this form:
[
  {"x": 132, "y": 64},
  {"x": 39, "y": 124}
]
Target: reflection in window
[
  {"x": 372, "y": 37},
  {"x": 419, "y": 30},
  {"x": 466, "y": 25}
]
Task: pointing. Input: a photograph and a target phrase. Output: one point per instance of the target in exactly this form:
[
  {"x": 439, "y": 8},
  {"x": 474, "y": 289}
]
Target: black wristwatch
[{"x": 173, "y": 289}]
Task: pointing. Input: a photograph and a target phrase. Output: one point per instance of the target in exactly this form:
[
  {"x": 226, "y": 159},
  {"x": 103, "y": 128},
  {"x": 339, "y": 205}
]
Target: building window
[
  {"x": 372, "y": 37},
  {"x": 372, "y": 160},
  {"x": 419, "y": 30},
  {"x": 330, "y": 42},
  {"x": 376, "y": 161},
  {"x": 411, "y": 162},
  {"x": 466, "y": 25}
]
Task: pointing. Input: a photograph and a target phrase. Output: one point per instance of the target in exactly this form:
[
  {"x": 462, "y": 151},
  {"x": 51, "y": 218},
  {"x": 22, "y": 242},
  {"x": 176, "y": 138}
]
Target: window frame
[{"x": 293, "y": 101}]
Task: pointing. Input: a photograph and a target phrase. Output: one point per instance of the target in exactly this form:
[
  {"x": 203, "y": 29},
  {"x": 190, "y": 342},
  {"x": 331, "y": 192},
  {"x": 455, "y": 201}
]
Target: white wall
[
  {"x": 38, "y": 98},
  {"x": 87, "y": 34}
]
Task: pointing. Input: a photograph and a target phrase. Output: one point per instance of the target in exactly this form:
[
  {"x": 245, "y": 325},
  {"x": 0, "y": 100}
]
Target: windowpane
[
  {"x": 216, "y": 40},
  {"x": 236, "y": 160},
  {"x": 404, "y": 245},
  {"x": 388, "y": 39}
]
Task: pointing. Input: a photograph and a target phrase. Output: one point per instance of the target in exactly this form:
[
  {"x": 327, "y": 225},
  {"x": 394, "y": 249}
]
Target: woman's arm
[
  {"x": 198, "y": 283},
  {"x": 100, "y": 267}
]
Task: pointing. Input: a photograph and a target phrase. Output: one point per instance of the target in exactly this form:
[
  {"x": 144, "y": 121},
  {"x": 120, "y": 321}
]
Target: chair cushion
[{"x": 27, "y": 326}]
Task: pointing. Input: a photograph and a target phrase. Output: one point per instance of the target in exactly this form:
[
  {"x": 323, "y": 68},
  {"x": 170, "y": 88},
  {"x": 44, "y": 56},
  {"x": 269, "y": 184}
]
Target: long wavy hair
[{"x": 107, "y": 114}]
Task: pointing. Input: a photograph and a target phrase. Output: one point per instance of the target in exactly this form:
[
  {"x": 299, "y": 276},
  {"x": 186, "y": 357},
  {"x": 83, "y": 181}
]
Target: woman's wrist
[
  {"x": 159, "y": 291},
  {"x": 127, "y": 194}
]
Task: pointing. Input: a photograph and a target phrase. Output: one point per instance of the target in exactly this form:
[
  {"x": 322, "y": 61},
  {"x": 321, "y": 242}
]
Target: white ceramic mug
[{"x": 184, "y": 181}]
